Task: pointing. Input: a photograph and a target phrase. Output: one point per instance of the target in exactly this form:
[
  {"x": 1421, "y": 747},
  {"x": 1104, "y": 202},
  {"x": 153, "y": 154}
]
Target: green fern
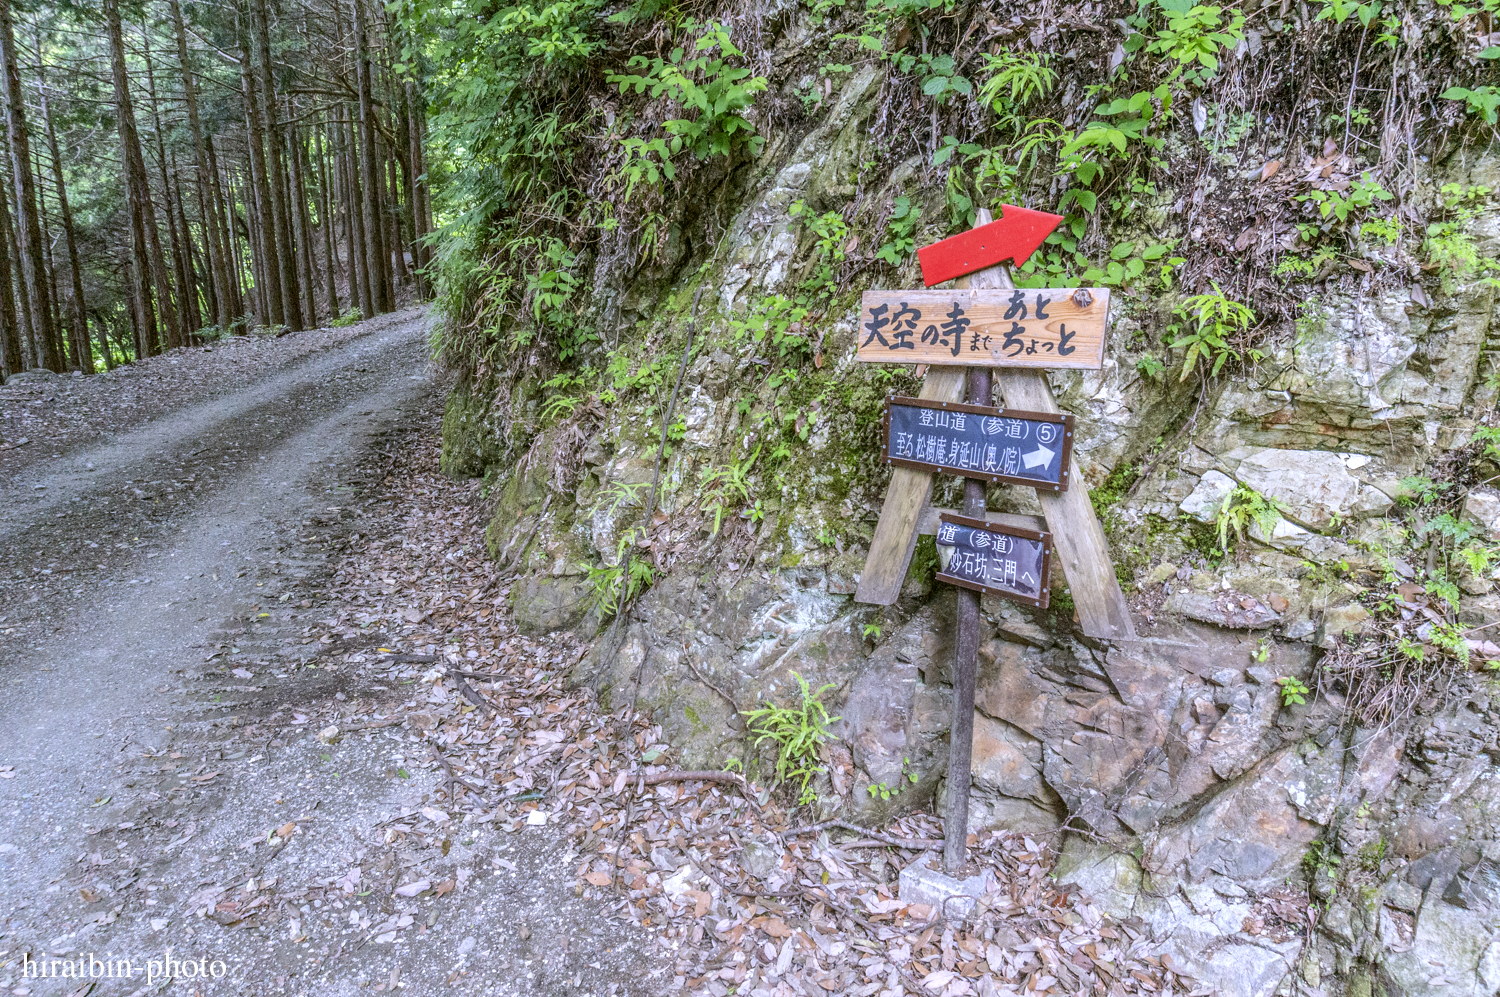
[
  {"x": 797, "y": 732},
  {"x": 1242, "y": 507}
]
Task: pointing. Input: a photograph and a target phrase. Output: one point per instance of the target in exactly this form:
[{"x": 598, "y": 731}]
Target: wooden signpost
[
  {"x": 986, "y": 323},
  {"x": 993, "y": 557},
  {"x": 978, "y": 441},
  {"x": 1046, "y": 329}
]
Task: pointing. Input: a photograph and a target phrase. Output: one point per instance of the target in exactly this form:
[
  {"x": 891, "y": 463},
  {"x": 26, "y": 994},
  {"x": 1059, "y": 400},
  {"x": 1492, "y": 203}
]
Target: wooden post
[
  {"x": 965, "y": 657},
  {"x": 896, "y": 533}
]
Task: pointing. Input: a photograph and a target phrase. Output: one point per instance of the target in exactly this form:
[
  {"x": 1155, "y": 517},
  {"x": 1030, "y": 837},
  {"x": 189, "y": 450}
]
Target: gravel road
[{"x": 152, "y": 542}]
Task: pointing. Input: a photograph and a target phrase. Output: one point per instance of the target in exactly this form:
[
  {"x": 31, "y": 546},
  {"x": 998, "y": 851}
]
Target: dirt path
[{"x": 154, "y": 649}]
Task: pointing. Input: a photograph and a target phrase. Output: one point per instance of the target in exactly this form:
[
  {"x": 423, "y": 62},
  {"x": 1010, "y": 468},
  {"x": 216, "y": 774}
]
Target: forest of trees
[{"x": 175, "y": 171}]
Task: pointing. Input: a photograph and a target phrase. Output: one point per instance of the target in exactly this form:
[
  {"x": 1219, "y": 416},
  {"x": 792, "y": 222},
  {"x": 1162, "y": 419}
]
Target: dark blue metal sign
[
  {"x": 977, "y": 441},
  {"x": 988, "y": 557}
]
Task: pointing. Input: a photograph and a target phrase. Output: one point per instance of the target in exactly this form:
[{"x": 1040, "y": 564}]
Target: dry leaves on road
[{"x": 736, "y": 902}]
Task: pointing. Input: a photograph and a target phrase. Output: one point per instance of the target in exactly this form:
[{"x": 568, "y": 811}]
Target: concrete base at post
[{"x": 923, "y": 882}]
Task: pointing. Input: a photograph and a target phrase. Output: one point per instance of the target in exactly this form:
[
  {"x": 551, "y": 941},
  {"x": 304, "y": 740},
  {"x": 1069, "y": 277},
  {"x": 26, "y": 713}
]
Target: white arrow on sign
[
  {"x": 1041, "y": 455},
  {"x": 1026, "y": 577}
]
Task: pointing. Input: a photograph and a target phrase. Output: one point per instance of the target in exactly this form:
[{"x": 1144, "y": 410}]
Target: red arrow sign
[{"x": 1013, "y": 236}]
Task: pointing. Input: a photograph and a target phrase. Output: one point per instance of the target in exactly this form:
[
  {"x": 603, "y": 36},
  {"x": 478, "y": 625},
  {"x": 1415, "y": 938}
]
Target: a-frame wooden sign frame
[
  {"x": 1018, "y": 344},
  {"x": 1068, "y": 515}
]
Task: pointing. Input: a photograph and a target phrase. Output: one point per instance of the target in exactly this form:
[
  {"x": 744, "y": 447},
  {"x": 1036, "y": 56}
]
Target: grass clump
[{"x": 797, "y": 732}]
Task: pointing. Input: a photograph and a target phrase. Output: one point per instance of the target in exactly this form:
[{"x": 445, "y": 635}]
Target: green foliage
[
  {"x": 552, "y": 289},
  {"x": 1335, "y": 206},
  {"x": 940, "y": 77},
  {"x": 726, "y": 486},
  {"x": 648, "y": 160},
  {"x": 1339, "y": 11},
  {"x": 701, "y": 80},
  {"x": 1299, "y": 266},
  {"x": 1386, "y": 231},
  {"x": 1114, "y": 487},
  {"x": 1322, "y": 859},
  {"x": 622, "y": 375},
  {"x": 900, "y": 232},
  {"x": 1193, "y": 33},
  {"x": 611, "y": 589},
  {"x": 1132, "y": 117},
  {"x": 830, "y": 233},
  {"x": 1450, "y": 246},
  {"x": 1211, "y": 319},
  {"x": 1490, "y": 437},
  {"x": 880, "y": 791},
  {"x": 1371, "y": 853},
  {"x": 779, "y": 321},
  {"x": 1420, "y": 490},
  {"x": 871, "y": 631},
  {"x": 797, "y": 733},
  {"x": 1126, "y": 266},
  {"x": 1150, "y": 367},
  {"x": 347, "y": 319},
  {"x": 1484, "y": 101},
  {"x": 1014, "y": 79},
  {"x": 1219, "y": 135},
  {"x": 618, "y": 493},
  {"x": 1239, "y": 509},
  {"x": 558, "y": 407},
  {"x": 1450, "y": 638},
  {"x": 1293, "y": 692}
]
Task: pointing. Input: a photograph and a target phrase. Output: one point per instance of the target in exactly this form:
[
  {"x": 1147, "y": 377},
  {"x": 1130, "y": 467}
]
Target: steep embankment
[{"x": 1287, "y": 441}]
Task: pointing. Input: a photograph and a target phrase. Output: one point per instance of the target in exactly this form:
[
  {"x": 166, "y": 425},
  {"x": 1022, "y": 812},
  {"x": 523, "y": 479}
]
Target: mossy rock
[
  {"x": 468, "y": 445},
  {"x": 545, "y": 603}
]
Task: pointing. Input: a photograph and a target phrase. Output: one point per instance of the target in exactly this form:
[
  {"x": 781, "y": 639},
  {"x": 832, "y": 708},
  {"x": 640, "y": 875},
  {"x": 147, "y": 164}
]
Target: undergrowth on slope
[{"x": 1214, "y": 166}]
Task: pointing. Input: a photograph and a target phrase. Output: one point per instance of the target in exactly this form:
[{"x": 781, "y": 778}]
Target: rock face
[
  {"x": 1188, "y": 789},
  {"x": 1314, "y": 488},
  {"x": 1482, "y": 507}
]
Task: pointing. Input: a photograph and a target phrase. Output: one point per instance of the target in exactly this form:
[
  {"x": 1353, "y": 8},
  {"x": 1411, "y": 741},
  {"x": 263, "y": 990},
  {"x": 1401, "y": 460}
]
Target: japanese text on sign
[
  {"x": 1009, "y": 445},
  {"x": 992, "y": 328},
  {"x": 989, "y": 557}
]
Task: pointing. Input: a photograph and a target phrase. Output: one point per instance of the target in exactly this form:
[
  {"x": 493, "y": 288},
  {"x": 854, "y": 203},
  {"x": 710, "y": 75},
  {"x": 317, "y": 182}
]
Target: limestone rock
[
  {"x": 1205, "y": 500},
  {"x": 1339, "y": 620},
  {"x": 1224, "y": 609},
  {"x": 1162, "y": 572},
  {"x": 35, "y": 374},
  {"x": 1109, "y": 878},
  {"x": 1313, "y": 487},
  {"x": 876, "y": 715},
  {"x": 1008, "y": 767},
  {"x": 543, "y": 603},
  {"x": 1285, "y": 535},
  {"x": 1482, "y": 506},
  {"x": 1254, "y": 831}
]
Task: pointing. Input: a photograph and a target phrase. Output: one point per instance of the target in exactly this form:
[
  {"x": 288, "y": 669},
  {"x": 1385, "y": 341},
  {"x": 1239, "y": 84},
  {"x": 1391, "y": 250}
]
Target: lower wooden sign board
[
  {"x": 978, "y": 441},
  {"x": 1005, "y": 560}
]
